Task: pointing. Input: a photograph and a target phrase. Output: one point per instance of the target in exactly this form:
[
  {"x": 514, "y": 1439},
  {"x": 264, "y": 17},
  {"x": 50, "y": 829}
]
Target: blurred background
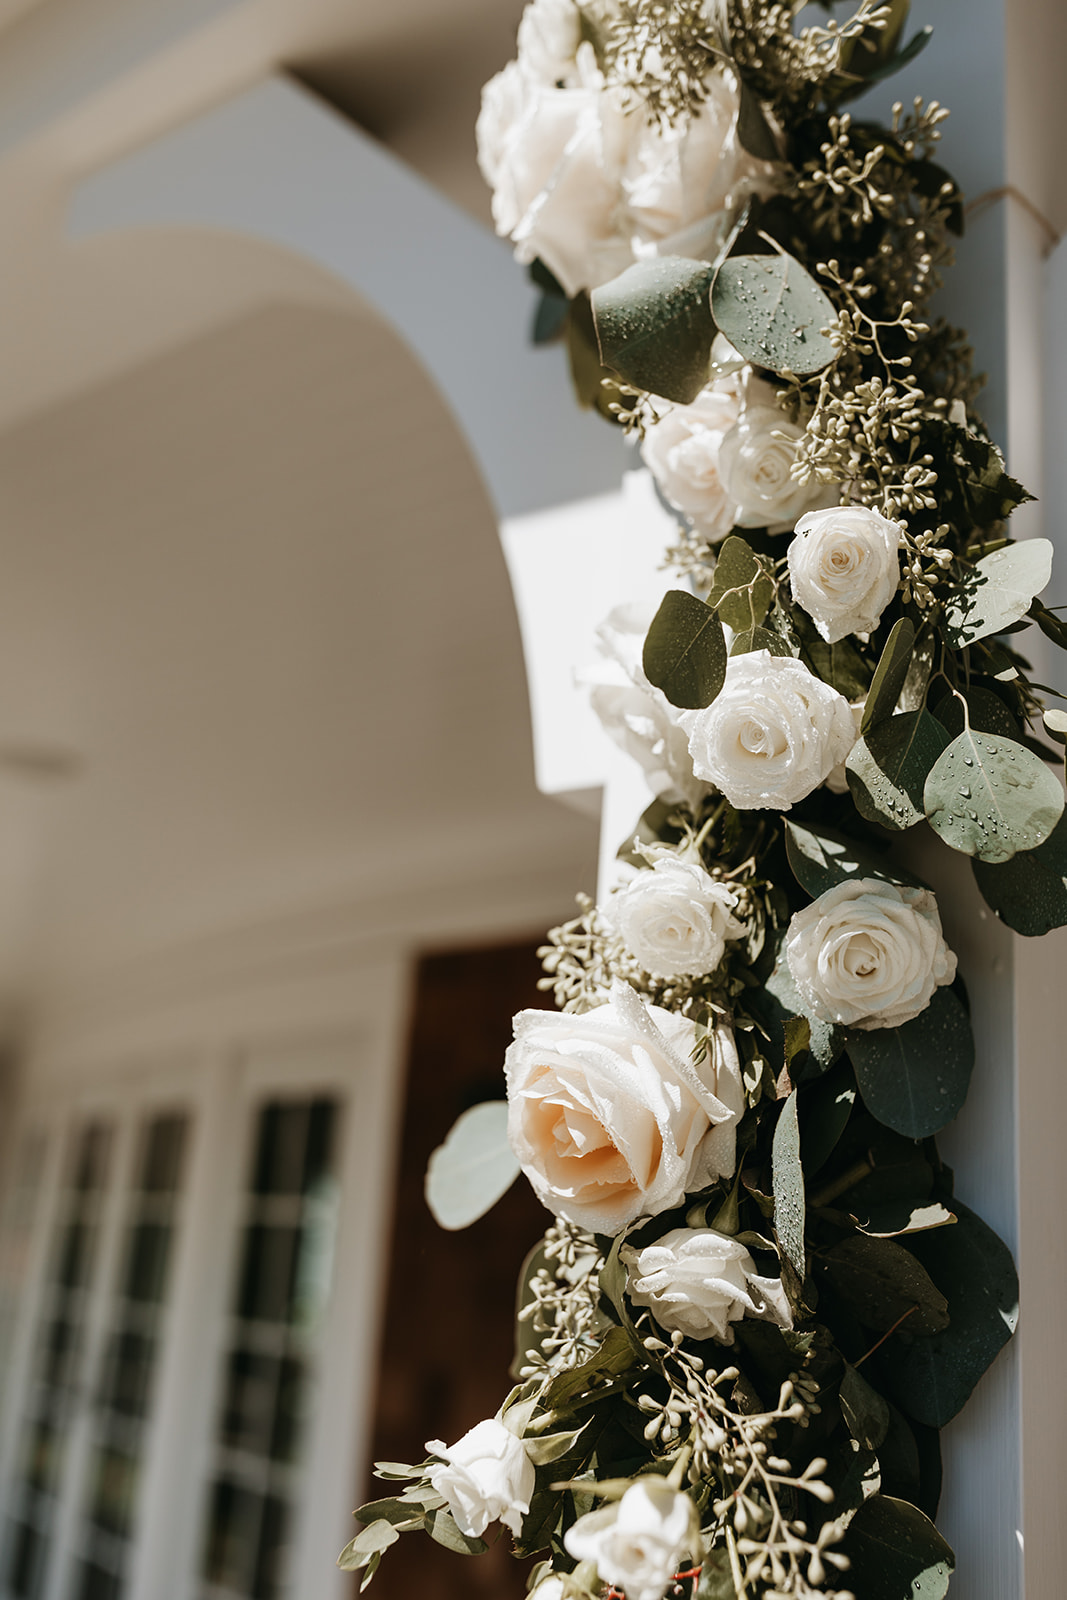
[{"x": 273, "y": 862}]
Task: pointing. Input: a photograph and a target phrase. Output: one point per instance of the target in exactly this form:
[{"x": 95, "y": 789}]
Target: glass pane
[
  {"x": 57, "y": 1375},
  {"x": 285, "y": 1260},
  {"x": 134, "y": 1336}
]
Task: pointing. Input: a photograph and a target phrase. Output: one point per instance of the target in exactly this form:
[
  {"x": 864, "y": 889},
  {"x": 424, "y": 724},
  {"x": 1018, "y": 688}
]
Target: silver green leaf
[
  {"x": 467, "y": 1174},
  {"x": 989, "y": 797},
  {"x": 887, "y": 770},
  {"x": 773, "y": 313},
  {"x": 787, "y": 1179},
  {"x": 998, "y": 591}
]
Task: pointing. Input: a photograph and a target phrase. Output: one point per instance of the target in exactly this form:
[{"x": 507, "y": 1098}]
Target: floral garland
[{"x": 757, "y": 1303}]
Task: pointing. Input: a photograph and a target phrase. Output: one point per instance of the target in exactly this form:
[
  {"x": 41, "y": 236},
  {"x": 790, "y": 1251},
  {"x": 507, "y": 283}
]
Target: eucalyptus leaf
[
  {"x": 685, "y": 651},
  {"x": 865, "y": 1411},
  {"x": 742, "y": 591},
  {"x": 823, "y": 1042},
  {"x": 932, "y": 1378},
  {"x": 595, "y": 387},
  {"x": 654, "y": 326},
  {"x": 821, "y": 858},
  {"x": 1052, "y": 626},
  {"x": 824, "y": 1115},
  {"x": 787, "y": 1179},
  {"x": 1029, "y": 892},
  {"x": 754, "y": 131},
  {"x": 989, "y": 797},
  {"x": 716, "y": 1578},
  {"x": 896, "y": 1553},
  {"x": 840, "y": 664},
  {"x": 442, "y": 1526},
  {"x": 367, "y": 1546},
  {"x": 888, "y": 768},
  {"x": 914, "y": 1078},
  {"x": 467, "y": 1175},
  {"x": 998, "y": 591},
  {"x": 882, "y": 1281},
  {"x": 759, "y": 639},
  {"x": 893, "y": 1218},
  {"x": 889, "y": 675},
  {"x": 773, "y": 313}
]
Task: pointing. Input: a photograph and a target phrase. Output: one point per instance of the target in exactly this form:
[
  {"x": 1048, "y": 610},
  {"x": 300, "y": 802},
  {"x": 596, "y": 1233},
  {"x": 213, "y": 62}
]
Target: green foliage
[
  {"x": 989, "y": 797},
  {"x": 896, "y": 1553},
  {"x": 773, "y": 313},
  {"x": 468, "y": 1174},
  {"x": 654, "y": 326},
  {"x": 998, "y": 591},
  {"x": 1029, "y": 892},
  {"x": 890, "y": 675},
  {"x": 742, "y": 591},
  {"x": 865, "y": 1411},
  {"x": 914, "y": 1078},
  {"x": 932, "y": 1378},
  {"x": 887, "y": 770},
  {"x": 788, "y": 1186},
  {"x": 883, "y": 1284},
  {"x": 974, "y": 490},
  {"x": 685, "y": 651},
  {"x": 822, "y": 857}
]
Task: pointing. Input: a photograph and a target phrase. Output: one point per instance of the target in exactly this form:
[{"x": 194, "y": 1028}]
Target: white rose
[
  {"x": 550, "y": 32},
  {"x": 773, "y": 734},
  {"x": 638, "y": 1542},
  {"x": 756, "y": 460},
  {"x": 682, "y": 453},
  {"x": 844, "y": 568},
  {"x": 868, "y": 954},
  {"x": 675, "y": 920},
  {"x": 485, "y": 1477},
  {"x": 583, "y": 181},
  {"x": 837, "y": 780},
  {"x": 608, "y": 1115},
  {"x": 698, "y": 1282},
  {"x": 637, "y": 717},
  {"x": 554, "y": 160}
]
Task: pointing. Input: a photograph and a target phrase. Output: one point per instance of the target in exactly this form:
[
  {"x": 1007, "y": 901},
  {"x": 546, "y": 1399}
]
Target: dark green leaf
[
  {"x": 787, "y": 1178},
  {"x": 841, "y": 665},
  {"x": 824, "y": 1042},
  {"x": 753, "y": 129},
  {"x": 889, "y": 675},
  {"x": 914, "y": 1078},
  {"x": 913, "y": 694},
  {"x": 685, "y": 651},
  {"x": 550, "y": 319},
  {"x": 595, "y": 388},
  {"x": 865, "y": 1411},
  {"x": 716, "y": 1579},
  {"x": 822, "y": 858},
  {"x": 1052, "y": 626},
  {"x": 971, "y": 474},
  {"x": 931, "y": 1378},
  {"x": 654, "y": 326},
  {"x": 1029, "y": 892},
  {"x": 759, "y": 639},
  {"x": 824, "y": 1114},
  {"x": 742, "y": 591},
  {"x": 896, "y": 1553},
  {"x": 998, "y": 591},
  {"x": 887, "y": 770},
  {"x": 614, "y": 1355},
  {"x": 773, "y": 313},
  {"x": 986, "y": 713},
  {"x": 881, "y": 1281},
  {"x": 989, "y": 797}
]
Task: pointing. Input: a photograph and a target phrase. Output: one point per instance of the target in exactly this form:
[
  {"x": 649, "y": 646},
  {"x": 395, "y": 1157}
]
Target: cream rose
[
  {"x": 682, "y": 453},
  {"x": 774, "y": 733},
  {"x": 756, "y": 461},
  {"x": 868, "y": 954},
  {"x": 675, "y": 920},
  {"x": 697, "y": 1282},
  {"x": 609, "y": 1116},
  {"x": 582, "y": 180},
  {"x": 485, "y": 1477},
  {"x": 634, "y": 715},
  {"x": 637, "y": 1543},
  {"x": 844, "y": 568}
]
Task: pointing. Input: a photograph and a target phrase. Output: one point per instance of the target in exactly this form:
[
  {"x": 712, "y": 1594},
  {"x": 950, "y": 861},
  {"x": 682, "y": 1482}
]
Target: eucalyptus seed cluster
[
  {"x": 733, "y": 1448},
  {"x": 660, "y": 52},
  {"x": 563, "y": 1304},
  {"x": 784, "y": 67}
]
